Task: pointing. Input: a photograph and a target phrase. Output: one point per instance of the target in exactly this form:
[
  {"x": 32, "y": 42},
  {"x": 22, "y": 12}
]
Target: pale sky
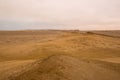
[{"x": 60, "y": 14}]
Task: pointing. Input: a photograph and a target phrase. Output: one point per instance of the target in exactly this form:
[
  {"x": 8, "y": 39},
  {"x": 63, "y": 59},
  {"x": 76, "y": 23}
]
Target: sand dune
[
  {"x": 8, "y": 68},
  {"x": 27, "y": 55},
  {"x": 62, "y": 67}
]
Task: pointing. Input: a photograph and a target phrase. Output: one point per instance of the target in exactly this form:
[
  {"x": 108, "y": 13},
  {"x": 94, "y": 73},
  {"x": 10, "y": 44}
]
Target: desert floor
[{"x": 59, "y": 55}]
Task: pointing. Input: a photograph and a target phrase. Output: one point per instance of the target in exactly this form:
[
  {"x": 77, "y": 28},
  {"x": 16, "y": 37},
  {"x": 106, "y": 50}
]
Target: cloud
[{"x": 75, "y": 13}]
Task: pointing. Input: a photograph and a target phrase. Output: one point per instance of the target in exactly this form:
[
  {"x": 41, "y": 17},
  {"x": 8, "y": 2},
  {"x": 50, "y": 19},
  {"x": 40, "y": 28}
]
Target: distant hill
[{"x": 112, "y": 33}]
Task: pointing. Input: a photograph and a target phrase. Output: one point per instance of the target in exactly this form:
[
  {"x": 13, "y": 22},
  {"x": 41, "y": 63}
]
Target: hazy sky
[{"x": 59, "y": 14}]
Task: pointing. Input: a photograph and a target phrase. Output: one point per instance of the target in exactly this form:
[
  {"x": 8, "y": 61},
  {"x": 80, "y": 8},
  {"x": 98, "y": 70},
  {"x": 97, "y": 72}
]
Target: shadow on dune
[{"x": 62, "y": 67}]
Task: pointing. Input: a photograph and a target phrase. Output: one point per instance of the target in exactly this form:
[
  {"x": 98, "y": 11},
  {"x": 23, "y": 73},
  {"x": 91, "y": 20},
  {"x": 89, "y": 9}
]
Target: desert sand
[{"x": 59, "y": 55}]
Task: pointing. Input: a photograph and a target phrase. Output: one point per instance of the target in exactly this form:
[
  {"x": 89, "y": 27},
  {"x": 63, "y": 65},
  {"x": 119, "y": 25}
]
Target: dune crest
[{"x": 62, "y": 67}]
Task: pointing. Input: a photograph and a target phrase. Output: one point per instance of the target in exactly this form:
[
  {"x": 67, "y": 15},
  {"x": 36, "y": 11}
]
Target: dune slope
[{"x": 61, "y": 67}]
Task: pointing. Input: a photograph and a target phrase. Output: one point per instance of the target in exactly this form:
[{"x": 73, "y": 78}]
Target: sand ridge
[{"x": 62, "y": 67}]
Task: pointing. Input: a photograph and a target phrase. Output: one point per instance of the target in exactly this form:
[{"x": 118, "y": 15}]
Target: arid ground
[{"x": 59, "y": 55}]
